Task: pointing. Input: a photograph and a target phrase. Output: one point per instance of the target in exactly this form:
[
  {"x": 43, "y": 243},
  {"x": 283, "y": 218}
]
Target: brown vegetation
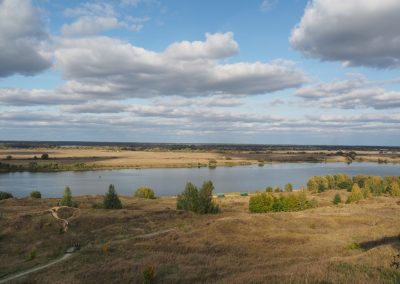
[{"x": 330, "y": 244}]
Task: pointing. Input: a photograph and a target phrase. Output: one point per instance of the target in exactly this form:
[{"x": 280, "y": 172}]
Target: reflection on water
[{"x": 172, "y": 181}]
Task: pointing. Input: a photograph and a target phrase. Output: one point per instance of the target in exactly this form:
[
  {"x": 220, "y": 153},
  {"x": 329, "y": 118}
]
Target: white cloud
[
  {"x": 106, "y": 66},
  {"x": 89, "y": 25},
  {"x": 22, "y": 39},
  {"x": 355, "y": 92},
  {"x": 354, "y": 32}
]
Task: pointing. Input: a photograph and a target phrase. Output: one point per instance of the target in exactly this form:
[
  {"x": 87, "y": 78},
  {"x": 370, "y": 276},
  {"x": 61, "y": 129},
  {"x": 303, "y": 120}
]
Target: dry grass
[
  {"x": 116, "y": 158},
  {"x": 311, "y": 246}
]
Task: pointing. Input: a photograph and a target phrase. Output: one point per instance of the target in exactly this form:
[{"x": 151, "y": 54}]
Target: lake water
[{"x": 172, "y": 181}]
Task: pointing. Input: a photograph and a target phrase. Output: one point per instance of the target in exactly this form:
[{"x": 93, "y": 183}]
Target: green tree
[
  {"x": 198, "y": 201},
  {"x": 9, "y": 157},
  {"x": 337, "y": 199},
  {"x": 111, "y": 199},
  {"x": 5, "y": 195},
  {"x": 269, "y": 189},
  {"x": 45, "y": 156},
  {"x": 36, "y": 194},
  {"x": 288, "y": 187},
  {"x": 355, "y": 195},
  {"x": 67, "y": 197},
  {"x": 312, "y": 184}
]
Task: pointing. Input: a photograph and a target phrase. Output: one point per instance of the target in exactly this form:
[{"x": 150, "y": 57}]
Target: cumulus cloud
[
  {"x": 22, "y": 39},
  {"x": 107, "y": 66},
  {"x": 354, "y": 32},
  {"x": 355, "y": 92}
]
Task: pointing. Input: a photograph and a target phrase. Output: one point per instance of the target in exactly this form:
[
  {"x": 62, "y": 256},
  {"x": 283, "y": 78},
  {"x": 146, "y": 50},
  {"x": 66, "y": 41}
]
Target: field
[
  {"x": 89, "y": 158},
  {"x": 329, "y": 244}
]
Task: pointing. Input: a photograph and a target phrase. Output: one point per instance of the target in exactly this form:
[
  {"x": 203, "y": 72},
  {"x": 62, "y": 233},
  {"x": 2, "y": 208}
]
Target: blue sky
[{"x": 292, "y": 72}]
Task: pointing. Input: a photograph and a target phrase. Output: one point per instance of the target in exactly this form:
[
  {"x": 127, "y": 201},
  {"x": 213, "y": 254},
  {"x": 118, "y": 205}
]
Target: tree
[
  {"x": 355, "y": 195},
  {"x": 394, "y": 189},
  {"x": 337, "y": 199},
  {"x": 67, "y": 198},
  {"x": 198, "y": 201},
  {"x": 269, "y": 189},
  {"x": 36, "y": 194},
  {"x": 312, "y": 184},
  {"x": 5, "y": 195},
  {"x": 9, "y": 157},
  {"x": 45, "y": 156},
  {"x": 289, "y": 187},
  {"x": 111, "y": 199}
]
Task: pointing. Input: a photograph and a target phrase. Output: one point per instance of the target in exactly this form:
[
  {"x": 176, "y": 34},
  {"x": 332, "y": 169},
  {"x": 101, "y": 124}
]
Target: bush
[
  {"x": 355, "y": 195},
  {"x": 289, "y": 187},
  {"x": 5, "y": 195},
  {"x": 198, "y": 201},
  {"x": 9, "y": 157},
  {"x": 31, "y": 254},
  {"x": 111, "y": 199},
  {"x": 269, "y": 189},
  {"x": 267, "y": 202},
  {"x": 394, "y": 189},
  {"x": 36, "y": 194},
  {"x": 45, "y": 156},
  {"x": 145, "y": 192},
  {"x": 148, "y": 273},
  {"x": 67, "y": 198},
  {"x": 337, "y": 199}
]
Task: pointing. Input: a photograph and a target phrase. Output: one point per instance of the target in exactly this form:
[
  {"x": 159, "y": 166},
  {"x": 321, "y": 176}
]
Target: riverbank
[
  {"x": 340, "y": 244},
  {"x": 109, "y": 158}
]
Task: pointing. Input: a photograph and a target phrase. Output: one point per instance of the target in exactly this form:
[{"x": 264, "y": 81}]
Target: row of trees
[
  {"x": 374, "y": 185},
  {"x": 267, "y": 202},
  {"x": 288, "y": 188}
]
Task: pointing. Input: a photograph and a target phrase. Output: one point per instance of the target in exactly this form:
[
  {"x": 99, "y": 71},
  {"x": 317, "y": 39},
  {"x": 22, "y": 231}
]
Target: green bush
[
  {"x": 36, "y": 194},
  {"x": 289, "y": 187},
  {"x": 31, "y": 254},
  {"x": 269, "y": 189},
  {"x": 267, "y": 202},
  {"x": 337, "y": 199},
  {"x": 67, "y": 198},
  {"x": 45, "y": 156},
  {"x": 5, "y": 195},
  {"x": 111, "y": 199},
  {"x": 145, "y": 192},
  {"x": 9, "y": 157},
  {"x": 198, "y": 201}
]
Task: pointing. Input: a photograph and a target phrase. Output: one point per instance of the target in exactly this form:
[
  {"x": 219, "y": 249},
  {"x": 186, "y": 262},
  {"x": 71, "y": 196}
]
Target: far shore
[{"x": 115, "y": 158}]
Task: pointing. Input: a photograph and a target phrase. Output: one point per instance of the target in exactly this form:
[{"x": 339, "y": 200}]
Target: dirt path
[
  {"x": 68, "y": 255},
  {"x": 35, "y": 269}
]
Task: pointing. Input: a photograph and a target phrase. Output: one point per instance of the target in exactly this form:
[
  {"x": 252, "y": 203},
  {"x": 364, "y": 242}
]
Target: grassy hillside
[{"x": 328, "y": 244}]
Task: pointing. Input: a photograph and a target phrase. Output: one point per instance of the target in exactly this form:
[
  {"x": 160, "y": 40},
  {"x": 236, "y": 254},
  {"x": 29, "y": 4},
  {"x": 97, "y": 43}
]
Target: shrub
[
  {"x": 269, "y": 189},
  {"x": 277, "y": 189},
  {"x": 31, "y": 254},
  {"x": 45, "y": 156},
  {"x": 267, "y": 202},
  {"x": 394, "y": 189},
  {"x": 67, "y": 198},
  {"x": 289, "y": 187},
  {"x": 36, "y": 194},
  {"x": 111, "y": 199},
  {"x": 337, "y": 199},
  {"x": 148, "y": 273},
  {"x": 145, "y": 192},
  {"x": 355, "y": 195},
  {"x": 9, "y": 157},
  {"x": 198, "y": 201},
  {"x": 5, "y": 195}
]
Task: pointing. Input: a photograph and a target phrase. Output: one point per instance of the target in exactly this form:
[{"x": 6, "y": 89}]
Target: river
[{"x": 172, "y": 181}]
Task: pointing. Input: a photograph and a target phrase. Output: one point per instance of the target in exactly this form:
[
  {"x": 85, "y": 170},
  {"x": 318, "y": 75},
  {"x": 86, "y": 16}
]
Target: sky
[{"x": 220, "y": 71}]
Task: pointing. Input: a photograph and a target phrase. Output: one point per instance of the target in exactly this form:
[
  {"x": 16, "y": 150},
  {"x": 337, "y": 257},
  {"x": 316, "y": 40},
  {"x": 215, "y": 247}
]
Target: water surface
[{"x": 172, "y": 181}]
